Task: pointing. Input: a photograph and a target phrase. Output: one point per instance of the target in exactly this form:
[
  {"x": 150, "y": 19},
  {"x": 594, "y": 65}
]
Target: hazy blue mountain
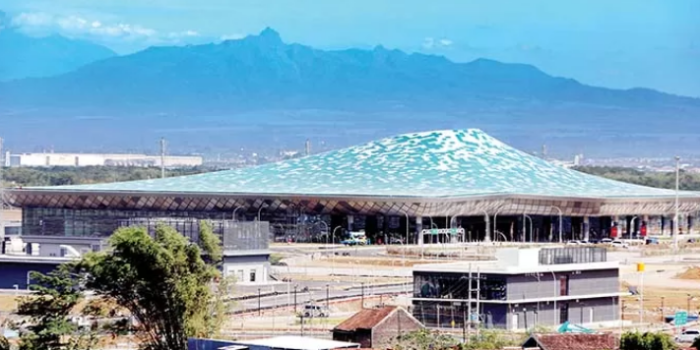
[
  {"x": 23, "y": 56},
  {"x": 262, "y": 91},
  {"x": 263, "y": 72}
]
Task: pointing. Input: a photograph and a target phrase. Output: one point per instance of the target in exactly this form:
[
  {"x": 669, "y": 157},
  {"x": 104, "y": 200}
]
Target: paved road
[{"x": 316, "y": 295}]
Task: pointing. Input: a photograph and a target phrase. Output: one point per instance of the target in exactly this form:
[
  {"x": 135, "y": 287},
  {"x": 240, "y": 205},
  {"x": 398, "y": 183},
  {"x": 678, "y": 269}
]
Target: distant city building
[{"x": 96, "y": 159}]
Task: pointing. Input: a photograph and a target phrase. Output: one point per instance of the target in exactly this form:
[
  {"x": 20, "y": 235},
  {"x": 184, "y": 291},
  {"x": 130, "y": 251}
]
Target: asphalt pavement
[{"x": 317, "y": 295}]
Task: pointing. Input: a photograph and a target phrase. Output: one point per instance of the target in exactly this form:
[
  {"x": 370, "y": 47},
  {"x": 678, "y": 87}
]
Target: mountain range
[
  {"x": 24, "y": 56},
  {"x": 262, "y": 80}
]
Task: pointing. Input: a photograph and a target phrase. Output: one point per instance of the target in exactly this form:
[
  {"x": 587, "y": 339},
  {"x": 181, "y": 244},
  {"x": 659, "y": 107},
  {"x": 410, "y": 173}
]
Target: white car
[
  {"x": 619, "y": 244},
  {"x": 688, "y": 336},
  {"x": 606, "y": 240}
]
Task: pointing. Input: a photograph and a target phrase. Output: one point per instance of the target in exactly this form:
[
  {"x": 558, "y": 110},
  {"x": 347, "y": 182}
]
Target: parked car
[
  {"x": 354, "y": 241},
  {"x": 574, "y": 243},
  {"x": 688, "y": 336},
  {"x": 312, "y": 310},
  {"x": 605, "y": 241},
  {"x": 395, "y": 240},
  {"x": 652, "y": 240},
  {"x": 619, "y": 244}
]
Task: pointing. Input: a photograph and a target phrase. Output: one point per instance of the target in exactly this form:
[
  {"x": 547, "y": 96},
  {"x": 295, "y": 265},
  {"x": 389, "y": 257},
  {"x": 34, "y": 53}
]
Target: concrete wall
[
  {"x": 399, "y": 322},
  {"x": 241, "y": 268},
  {"x": 582, "y": 312},
  {"x": 54, "y": 250},
  {"x": 361, "y": 336},
  {"x": 586, "y": 283}
]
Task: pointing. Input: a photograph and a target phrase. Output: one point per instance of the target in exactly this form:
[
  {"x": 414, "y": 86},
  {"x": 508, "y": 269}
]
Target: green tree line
[
  {"x": 688, "y": 181},
  {"x": 60, "y": 176}
]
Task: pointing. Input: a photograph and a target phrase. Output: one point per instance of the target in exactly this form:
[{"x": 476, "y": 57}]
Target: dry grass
[
  {"x": 8, "y": 303},
  {"x": 659, "y": 302},
  {"x": 691, "y": 273}
]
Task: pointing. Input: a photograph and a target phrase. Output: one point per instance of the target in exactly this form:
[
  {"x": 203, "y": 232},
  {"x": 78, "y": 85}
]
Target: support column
[
  {"x": 586, "y": 228},
  {"x": 663, "y": 225},
  {"x": 419, "y": 229},
  {"x": 691, "y": 222},
  {"x": 487, "y": 233},
  {"x": 351, "y": 220},
  {"x": 336, "y": 220},
  {"x": 371, "y": 228},
  {"x": 644, "y": 226},
  {"x": 671, "y": 225}
]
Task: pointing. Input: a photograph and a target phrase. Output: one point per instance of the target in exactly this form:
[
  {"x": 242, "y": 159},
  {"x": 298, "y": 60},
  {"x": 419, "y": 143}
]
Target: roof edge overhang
[{"x": 684, "y": 197}]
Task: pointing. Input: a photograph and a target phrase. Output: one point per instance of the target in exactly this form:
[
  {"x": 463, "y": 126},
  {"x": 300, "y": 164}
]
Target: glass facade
[
  {"x": 456, "y": 286},
  {"x": 97, "y": 223},
  {"x": 572, "y": 255}
]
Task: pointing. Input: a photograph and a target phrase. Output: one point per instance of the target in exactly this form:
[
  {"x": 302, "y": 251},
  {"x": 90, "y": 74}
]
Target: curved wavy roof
[{"x": 446, "y": 163}]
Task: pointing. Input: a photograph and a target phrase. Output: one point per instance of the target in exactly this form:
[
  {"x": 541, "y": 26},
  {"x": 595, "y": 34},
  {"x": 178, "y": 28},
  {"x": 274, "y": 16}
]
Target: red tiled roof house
[{"x": 377, "y": 327}]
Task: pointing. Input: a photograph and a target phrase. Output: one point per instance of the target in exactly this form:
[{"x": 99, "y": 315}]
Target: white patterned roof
[{"x": 446, "y": 163}]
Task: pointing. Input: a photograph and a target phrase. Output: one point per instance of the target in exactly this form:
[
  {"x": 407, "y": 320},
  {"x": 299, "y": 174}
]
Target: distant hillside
[
  {"x": 22, "y": 56},
  {"x": 262, "y": 72},
  {"x": 262, "y": 93}
]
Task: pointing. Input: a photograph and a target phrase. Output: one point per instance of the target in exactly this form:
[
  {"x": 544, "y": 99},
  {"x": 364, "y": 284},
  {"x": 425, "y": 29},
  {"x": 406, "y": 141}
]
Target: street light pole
[
  {"x": 328, "y": 297},
  {"x": 556, "y": 312},
  {"x": 234, "y": 213},
  {"x": 561, "y": 222},
  {"x": 326, "y": 231},
  {"x": 295, "y": 298},
  {"x": 675, "y": 216},
  {"x": 634, "y": 231},
  {"x": 363, "y": 295},
  {"x": 495, "y": 221},
  {"x": 260, "y": 210},
  {"x": 531, "y": 230},
  {"x": 333, "y": 252}
]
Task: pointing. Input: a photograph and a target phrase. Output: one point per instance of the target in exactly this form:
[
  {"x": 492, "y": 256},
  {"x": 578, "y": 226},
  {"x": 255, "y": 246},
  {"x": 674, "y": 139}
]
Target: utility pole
[
  {"x": 295, "y": 298},
  {"x": 162, "y": 158},
  {"x": 675, "y": 216},
  {"x": 363, "y": 295},
  {"x": 478, "y": 298},
  {"x": 328, "y": 297},
  {"x": 259, "y": 309}
]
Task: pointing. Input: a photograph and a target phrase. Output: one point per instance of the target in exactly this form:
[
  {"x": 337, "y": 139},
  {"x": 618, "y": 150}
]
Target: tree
[
  {"x": 4, "y": 343},
  {"x": 163, "y": 281},
  {"x": 646, "y": 341},
  {"x": 424, "y": 340},
  {"x": 490, "y": 340},
  {"x": 53, "y": 298}
]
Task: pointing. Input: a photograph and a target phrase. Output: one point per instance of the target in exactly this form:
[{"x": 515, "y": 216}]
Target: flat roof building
[{"x": 523, "y": 288}]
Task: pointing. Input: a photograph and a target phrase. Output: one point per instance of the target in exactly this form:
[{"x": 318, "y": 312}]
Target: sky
[{"x": 618, "y": 44}]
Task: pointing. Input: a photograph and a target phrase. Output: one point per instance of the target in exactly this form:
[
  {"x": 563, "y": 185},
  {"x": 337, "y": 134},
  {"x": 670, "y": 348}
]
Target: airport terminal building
[{"x": 457, "y": 185}]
